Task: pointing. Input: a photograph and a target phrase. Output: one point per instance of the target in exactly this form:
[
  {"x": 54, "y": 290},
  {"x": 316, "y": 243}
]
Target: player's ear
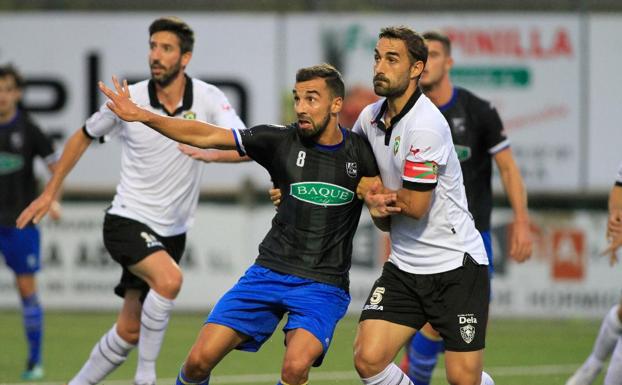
[
  {"x": 336, "y": 105},
  {"x": 185, "y": 58},
  {"x": 449, "y": 63},
  {"x": 416, "y": 69}
]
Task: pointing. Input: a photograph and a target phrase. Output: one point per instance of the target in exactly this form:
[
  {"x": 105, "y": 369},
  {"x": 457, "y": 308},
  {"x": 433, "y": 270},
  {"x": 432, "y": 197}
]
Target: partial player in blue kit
[{"x": 21, "y": 142}]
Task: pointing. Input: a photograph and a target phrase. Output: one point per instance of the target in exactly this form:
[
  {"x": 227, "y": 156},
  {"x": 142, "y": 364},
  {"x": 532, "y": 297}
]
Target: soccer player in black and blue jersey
[
  {"x": 304, "y": 260},
  {"x": 21, "y": 142}
]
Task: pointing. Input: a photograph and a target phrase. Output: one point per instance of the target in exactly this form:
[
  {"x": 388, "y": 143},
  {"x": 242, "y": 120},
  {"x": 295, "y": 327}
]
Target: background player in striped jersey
[
  {"x": 304, "y": 260},
  {"x": 145, "y": 227},
  {"x": 609, "y": 339},
  {"x": 21, "y": 141},
  {"x": 478, "y": 136}
]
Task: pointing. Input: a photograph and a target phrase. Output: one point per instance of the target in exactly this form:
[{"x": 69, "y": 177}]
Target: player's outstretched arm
[
  {"x": 55, "y": 207},
  {"x": 213, "y": 156},
  {"x": 75, "y": 147},
  {"x": 192, "y": 132}
]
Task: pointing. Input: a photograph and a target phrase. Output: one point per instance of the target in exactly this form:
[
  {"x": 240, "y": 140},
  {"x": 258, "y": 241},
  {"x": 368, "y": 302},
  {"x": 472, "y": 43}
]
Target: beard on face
[
  {"x": 316, "y": 130},
  {"x": 383, "y": 87},
  {"x": 167, "y": 76}
]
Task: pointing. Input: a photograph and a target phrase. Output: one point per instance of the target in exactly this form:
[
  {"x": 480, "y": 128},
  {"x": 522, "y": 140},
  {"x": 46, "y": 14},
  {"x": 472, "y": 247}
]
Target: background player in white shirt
[
  {"x": 437, "y": 270},
  {"x": 145, "y": 227},
  {"x": 609, "y": 337}
]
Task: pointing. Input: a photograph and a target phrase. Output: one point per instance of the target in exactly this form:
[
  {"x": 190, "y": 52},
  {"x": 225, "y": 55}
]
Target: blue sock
[
  {"x": 183, "y": 380},
  {"x": 283, "y": 383},
  {"x": 33, "y": 325},
  {"x": 423, "y": 355}
]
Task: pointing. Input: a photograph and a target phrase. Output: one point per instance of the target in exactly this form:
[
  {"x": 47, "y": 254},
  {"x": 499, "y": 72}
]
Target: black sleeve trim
[
  {"x": 418, "y": 186},
  {"x": 87, "y": 133},
  {"x": 618, "y": 183}
]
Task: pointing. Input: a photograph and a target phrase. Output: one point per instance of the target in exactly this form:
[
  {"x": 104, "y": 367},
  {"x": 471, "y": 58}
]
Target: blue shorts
[
  {"x": 20, "y": 249},
  {"x": 258, "y": 301},
  {"x": 488, "y": 246}
]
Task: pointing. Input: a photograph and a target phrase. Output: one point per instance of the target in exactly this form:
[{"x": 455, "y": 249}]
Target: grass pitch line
[{"x": 500, "y": 371}]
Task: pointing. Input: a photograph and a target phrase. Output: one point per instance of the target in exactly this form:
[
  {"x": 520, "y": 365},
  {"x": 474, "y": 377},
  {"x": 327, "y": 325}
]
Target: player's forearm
[
  {"x": 230, "y": 156},
  {"x": 72, "y": 152},
  {"x": 615, "y": 199},
  {"x": 192, "y": 132},
  {"x": 52, "y": 167},
  {"x": 515, "y": 191},
  {"x": 414, "y": 204}
]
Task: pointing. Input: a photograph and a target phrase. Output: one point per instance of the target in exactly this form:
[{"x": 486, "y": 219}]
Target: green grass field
[{"x": 519, "y": 352}]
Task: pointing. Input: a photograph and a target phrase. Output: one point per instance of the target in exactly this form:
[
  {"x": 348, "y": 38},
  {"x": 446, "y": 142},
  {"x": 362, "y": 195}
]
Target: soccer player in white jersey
[
  {"x": 609, "y": 339},
  {"x": 145, "y": 227},
  {"x": 437, "y": 270}
]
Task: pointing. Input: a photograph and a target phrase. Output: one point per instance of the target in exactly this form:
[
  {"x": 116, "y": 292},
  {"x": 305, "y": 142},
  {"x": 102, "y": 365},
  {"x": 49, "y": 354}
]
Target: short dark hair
[
  {"x": 10, "y": 70},
  {"x": 441, "y": 38},
  {"x": 415, "y": 44},
  {"x": 331, "y": 76},
  {"x": 174, "y": 24}
]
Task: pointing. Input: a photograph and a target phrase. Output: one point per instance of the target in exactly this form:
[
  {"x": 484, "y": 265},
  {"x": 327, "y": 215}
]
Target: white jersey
[
  {"x": 619, "y": 176},
  {"x": 159, "y": 184},
  {"x": 417, "y": 153}
]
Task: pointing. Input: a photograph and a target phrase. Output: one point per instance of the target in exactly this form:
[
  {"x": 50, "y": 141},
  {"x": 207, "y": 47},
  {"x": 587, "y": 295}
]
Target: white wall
[{"x": 544, "y": 116}]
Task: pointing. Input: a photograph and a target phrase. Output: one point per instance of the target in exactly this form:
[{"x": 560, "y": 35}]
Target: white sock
[
  {"x": 391, "y": 375},
  {"x": 610, "y": 330},
  {"x": 614, "y": 372},
  {"x": 153, "y": 322},
  {"x": 486, "y": 379},
  {"x": 110, "y": 352}
]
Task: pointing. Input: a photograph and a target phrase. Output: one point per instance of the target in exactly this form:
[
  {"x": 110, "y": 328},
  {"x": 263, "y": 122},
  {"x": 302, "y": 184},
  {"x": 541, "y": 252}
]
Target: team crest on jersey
[
  {"x": 467, "y": 331},
  {"x": 396, "y": 145},
  {"x": 463, "y": 152},
  {"x": 459, "y": 125},
  {"x": 189, "y": 115},
  {"x": 351, "y": 169}
]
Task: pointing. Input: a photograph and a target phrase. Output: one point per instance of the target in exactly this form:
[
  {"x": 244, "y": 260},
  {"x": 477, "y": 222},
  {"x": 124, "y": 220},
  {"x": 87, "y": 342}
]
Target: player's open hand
[
  {"x": 35, "y": 211},
  {"x": 120, "y": 102},
  {"x": 381, "y": 204},
  {"x": 197, "y": 153},
  {"x": 521, "y": 243}
]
